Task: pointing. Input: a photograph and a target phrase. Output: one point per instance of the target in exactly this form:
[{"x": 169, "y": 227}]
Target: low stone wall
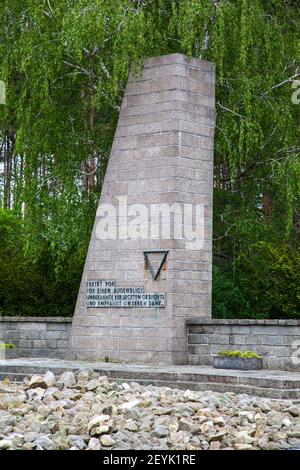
[
  {"x": 36, "y": 336},
  {"x": 276, "y": 340}
]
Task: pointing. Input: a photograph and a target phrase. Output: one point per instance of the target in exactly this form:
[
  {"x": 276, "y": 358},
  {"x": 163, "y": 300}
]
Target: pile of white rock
[{"x": 87, "y": 411}]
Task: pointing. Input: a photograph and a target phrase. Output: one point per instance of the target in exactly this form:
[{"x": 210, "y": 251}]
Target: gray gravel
[{"x": 87, "y": 411}]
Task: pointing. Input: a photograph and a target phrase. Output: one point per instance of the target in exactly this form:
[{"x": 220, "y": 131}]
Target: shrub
[
  {"x": 237, "y": 353},
  {"x": 7, "y": 346}
]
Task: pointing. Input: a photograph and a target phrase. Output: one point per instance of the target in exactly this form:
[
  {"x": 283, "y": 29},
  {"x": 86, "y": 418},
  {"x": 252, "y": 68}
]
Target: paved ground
[
  {"x": 268, "y": 383},
  {"x": 174, "y": 369}
]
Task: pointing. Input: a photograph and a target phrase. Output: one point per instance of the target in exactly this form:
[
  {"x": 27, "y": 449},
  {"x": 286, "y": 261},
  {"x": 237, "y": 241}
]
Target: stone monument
[{"x": 148, "y": 266}]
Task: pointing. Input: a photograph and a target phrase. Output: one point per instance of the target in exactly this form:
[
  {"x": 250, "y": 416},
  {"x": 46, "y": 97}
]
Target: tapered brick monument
[{"x": 149, "y": 261}]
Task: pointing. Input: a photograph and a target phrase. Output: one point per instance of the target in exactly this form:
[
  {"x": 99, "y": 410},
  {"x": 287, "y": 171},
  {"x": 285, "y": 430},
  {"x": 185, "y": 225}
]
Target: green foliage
[
  {"x": 36, "y": 285},
  {"x": 271, "y": 277},
  {"x": 65, "y": 65},
  {"x": 228, "y": 299},
  {"x": 237, "y": 353},
  {"x": 7, "y": 346}
]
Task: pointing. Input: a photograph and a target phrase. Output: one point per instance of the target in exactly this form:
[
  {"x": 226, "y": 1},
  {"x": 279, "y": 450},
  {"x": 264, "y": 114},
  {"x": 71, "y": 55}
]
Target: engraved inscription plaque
[{"x": 105, "y": 294}]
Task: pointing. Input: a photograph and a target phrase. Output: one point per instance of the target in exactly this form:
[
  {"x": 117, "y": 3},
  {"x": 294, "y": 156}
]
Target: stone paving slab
[
  {"x": 177, "y": 369},
  {"x": 269, "y": 383}
]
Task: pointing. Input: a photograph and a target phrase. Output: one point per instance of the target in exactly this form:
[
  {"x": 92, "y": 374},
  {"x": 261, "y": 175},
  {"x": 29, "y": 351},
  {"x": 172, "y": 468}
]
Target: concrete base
[
  {"x": 265, "y": 383},
  {"x": 238, "y": 363}
]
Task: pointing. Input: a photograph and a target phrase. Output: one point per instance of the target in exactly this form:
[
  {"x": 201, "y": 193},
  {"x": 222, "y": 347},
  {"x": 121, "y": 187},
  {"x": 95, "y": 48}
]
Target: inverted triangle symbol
[{"x": 155, "y": 272}]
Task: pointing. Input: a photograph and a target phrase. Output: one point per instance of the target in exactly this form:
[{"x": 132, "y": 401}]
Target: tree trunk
[
  {"x": 91, "y": 153},
  {"x": 267, "y": 206}
]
